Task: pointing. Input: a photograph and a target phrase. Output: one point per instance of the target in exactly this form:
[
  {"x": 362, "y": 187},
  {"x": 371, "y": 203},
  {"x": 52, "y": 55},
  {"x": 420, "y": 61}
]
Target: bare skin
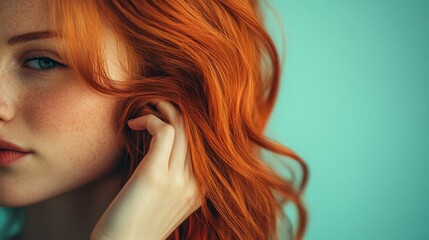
[
  {"x": 72, "y": 215},
  {"x": 70, "y": 185}
]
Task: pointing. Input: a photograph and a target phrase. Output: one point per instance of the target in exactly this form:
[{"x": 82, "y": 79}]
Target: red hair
[{"x": 216, "y": 62}]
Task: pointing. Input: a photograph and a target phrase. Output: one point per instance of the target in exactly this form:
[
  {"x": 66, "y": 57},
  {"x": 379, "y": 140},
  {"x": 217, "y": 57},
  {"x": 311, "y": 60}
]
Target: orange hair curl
[{"x": 216, "y": 62}]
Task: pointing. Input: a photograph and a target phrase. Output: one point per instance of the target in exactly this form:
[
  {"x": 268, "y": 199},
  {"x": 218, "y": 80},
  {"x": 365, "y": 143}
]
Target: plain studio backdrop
[{"x": 354, "y": 103}]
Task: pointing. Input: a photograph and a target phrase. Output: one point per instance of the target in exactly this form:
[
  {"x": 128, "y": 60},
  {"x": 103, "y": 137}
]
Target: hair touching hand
[{"x": 215, "y": 61}]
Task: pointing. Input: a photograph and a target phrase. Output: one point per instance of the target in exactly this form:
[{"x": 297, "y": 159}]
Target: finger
[
  {"x": 162, "y": 139},
  {"x": 180, "y": 145},
  {"x": 169, "y": 110}
]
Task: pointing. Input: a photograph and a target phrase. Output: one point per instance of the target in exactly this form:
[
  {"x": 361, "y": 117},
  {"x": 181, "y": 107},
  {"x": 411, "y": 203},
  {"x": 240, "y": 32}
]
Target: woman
[{"x": 140, "y": 120}]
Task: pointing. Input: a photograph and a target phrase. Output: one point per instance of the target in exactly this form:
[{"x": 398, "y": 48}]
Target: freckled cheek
[
  {"x": 67, "y": 113},
  {"x": 52, "y": 112}
]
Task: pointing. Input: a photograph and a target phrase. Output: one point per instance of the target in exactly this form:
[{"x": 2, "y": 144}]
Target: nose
[{"x": 7, "y": 110}]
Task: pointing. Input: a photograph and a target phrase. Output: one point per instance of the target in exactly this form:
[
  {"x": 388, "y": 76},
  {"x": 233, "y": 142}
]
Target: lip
[{"x": 10, "y": 153}]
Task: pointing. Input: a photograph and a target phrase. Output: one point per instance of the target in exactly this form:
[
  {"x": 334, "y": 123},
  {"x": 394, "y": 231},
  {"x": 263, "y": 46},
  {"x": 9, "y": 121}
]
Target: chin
[
  {"x": 11, "y": 202},
  {"x": 15, "y": 199}
]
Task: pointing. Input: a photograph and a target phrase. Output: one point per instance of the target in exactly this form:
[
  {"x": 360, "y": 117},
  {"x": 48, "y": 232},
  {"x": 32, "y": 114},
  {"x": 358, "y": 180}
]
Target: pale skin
[{"x": 70, "y": 184}]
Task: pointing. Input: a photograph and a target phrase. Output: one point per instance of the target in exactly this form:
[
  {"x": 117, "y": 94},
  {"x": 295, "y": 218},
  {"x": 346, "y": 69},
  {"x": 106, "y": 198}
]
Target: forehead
[{"x": 19, "y": 16}]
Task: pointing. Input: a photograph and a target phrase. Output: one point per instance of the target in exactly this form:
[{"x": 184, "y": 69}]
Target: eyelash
[{"x": 56, "y": 64}]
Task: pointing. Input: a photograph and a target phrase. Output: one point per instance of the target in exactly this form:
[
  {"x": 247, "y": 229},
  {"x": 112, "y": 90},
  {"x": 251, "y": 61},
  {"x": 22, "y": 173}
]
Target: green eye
[{"x": 42, "y": 63}]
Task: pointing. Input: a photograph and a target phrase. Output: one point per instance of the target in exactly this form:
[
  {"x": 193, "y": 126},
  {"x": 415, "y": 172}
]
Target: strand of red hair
[{"x": 217, "y": 63}]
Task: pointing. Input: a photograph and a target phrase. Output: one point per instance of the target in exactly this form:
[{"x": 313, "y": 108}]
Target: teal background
[
  {"x": 354, "y": 104},
  {"x": 11, "y": 220}
]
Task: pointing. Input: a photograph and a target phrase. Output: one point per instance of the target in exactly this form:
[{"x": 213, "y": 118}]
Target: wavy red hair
[{"x": 216, "y": 62}]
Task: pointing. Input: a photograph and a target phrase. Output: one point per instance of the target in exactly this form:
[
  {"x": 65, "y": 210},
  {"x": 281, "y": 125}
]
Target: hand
[{"x": 162, "y": 191}]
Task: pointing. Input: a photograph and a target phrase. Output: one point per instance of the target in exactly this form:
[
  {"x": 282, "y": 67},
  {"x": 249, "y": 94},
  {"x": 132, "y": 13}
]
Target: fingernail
[{"x": 130, "y": 121}]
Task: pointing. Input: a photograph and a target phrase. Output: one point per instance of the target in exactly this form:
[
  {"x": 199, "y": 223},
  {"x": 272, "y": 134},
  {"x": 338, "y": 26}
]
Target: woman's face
[{"x": 69, "y": 130}]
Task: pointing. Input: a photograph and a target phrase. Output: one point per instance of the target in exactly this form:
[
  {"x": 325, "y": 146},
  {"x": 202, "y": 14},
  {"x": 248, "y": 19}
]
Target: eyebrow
[{"x": 31, "y": 36}]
